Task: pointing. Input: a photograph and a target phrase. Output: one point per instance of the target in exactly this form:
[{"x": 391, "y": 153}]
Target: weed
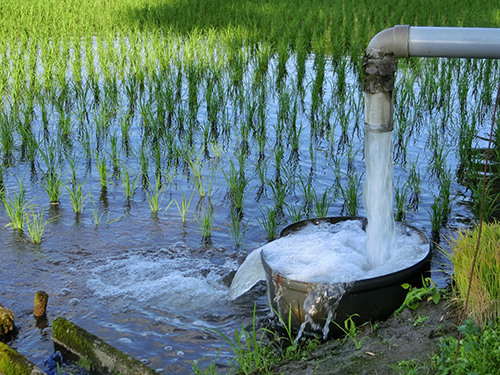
[
  {"x": 484, "y": 293},
  {"x": 429, "y": 291},
  {"x": 251, "y": 354},
  {"x": 477, "y": 351},
  {"x": 351, "y": 331}
]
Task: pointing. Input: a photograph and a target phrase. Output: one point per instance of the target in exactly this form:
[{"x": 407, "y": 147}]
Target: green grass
[{"x": 484, "y": 296}]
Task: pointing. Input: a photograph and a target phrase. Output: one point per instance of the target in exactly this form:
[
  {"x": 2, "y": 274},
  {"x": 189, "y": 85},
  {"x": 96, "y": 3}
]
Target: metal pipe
[
  {"x": 380, "y": 61},
  {"x": 416, "y": 41}
]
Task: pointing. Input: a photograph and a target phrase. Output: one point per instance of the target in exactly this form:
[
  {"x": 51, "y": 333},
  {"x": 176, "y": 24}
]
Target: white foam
[
  {"x": 161, "y": 280},
  {"x": 330, "y": 253}
]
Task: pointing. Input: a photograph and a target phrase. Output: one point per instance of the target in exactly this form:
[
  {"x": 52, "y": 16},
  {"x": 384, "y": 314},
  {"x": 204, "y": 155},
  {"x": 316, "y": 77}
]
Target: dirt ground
[{"x": 414, "y": 334}]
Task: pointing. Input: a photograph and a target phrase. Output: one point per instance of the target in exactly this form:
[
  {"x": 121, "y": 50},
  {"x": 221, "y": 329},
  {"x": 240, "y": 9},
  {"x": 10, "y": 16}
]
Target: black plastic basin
[{"x": 364, "y": 300}]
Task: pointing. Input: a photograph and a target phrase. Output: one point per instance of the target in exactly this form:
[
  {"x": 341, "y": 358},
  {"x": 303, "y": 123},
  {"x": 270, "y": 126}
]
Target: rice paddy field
[{"x": 147, "y": 145}]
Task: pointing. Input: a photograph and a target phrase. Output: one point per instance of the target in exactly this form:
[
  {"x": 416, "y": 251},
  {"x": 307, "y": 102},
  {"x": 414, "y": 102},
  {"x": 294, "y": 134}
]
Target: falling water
[{"x": 378, "y": 195}]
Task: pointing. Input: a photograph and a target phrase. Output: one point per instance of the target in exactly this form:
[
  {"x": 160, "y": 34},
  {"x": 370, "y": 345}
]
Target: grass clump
[
  {"x": 484, "y": 296},
  {"x": 478, "y": 351}
]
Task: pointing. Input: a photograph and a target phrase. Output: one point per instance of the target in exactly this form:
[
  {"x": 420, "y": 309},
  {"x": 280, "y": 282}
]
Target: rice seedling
[
  {"x": 113, "y": 154},
  {"x": 414, "y": 185},
  {"x": 350, "y": 193},
  {"x": 53, "y": 185},
  {"x": 438, "y": 216},
  {"x": 129, "y": 185},
  {"x": 321, "y": 204},
  {"x": 237, "y": 228},
  {"x": 97, "y": 217},
  {"x": 184, "y": 206},
  {"x": 279, "y": 190},
  {"x": 237, "y": 183},
  {"x": 103, "y": 170},
  {"x": 269, "y": 222},
  {"x": 204, "y": 220},
  {"x": 35, "y": 224},
  {"x": 400, "y": 198},
  {"x": 195, "y": 163},
  {"x": 307, "y": 190},
  {"x": 155, "y": 195},
  {"x": 76, "y": 196},
  {"x": 491, "y": 204},
  {"x": 16, "y": 207},
  {"x": 294, "y": 212}
]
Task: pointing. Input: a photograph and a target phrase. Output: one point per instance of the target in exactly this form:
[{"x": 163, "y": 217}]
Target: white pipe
[
  {"x": 461, "y": 42},
  {"x": 405, "y": 41}
]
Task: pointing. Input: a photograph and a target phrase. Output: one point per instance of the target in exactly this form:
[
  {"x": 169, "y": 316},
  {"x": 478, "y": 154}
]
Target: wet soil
[{"x": 412, "y": 335}]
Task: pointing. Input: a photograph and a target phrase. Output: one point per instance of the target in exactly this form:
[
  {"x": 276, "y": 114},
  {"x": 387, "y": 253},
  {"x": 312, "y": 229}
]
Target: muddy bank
[{"x": 412, "y": 335}]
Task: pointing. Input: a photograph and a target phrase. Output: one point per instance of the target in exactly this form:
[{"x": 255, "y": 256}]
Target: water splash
[
  {"x": 249, "y": 273},
  {"x": 322, "y": 300}
]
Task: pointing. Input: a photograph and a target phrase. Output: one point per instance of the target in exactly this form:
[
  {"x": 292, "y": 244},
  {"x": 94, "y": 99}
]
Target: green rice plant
[
  {"x": 491, "y": 200},
  {"x": 321, "y": 204},
  {"x": 97, "y": 218},
  {"x": 184, "y": 206},
  {"x": 400, "y": 198},
  {"x": 16, "y": 208},
  {"x": 50, "y": 156},
  {"x": 155, "y": 195},
  {"x": 129, "y": 185},
  {"x": 103, "y": 170},
  {"x": 279, "y": 190},
  {"x": 438, "y": 215},
  {"x": 413, "y": 183},
  {"x": 53, "y": 185},
  {"x": 195, "y": 163},
  {"x": 35, "y": 225},
  {"x": 307, "y": 190},
  {"x": 76, "y": 197},
  {"x": 71, "y": 159},
  {"x": 113, "y": 153},
  {"x": 269, "y": 222},
  {"x": 6, "y": 136},
  {"x": 294, "y": 212},
  {"x": 351, "y": 195},
  {"x": 237, "y": 183},
  {"x": 204, "y": 220},
  {"x": 484, "y": 295},
  {"x": 237, "y": 228}
]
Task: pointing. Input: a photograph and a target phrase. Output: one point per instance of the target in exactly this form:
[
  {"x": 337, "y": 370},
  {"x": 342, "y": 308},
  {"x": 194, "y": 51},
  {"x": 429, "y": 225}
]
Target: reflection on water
[{"x": 151, "y": 300}]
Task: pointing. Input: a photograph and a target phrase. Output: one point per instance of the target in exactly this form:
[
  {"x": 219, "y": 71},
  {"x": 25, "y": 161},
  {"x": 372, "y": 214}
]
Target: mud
[{"x": 412, "y": 335}]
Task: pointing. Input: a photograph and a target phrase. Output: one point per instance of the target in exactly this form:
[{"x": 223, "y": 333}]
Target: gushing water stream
[{"x": 378, "y": 195}]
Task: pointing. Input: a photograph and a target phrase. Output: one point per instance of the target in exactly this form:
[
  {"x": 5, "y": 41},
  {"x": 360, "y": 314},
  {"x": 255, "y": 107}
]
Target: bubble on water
[
  {"x": 162, "y": 280},
  {"x": 125, "y": 340},
  {"x": 328, "y": 253}
]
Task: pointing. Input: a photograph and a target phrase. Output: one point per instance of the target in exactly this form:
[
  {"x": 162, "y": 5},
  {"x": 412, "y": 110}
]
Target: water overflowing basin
[{"x": 314, "y": 306}]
